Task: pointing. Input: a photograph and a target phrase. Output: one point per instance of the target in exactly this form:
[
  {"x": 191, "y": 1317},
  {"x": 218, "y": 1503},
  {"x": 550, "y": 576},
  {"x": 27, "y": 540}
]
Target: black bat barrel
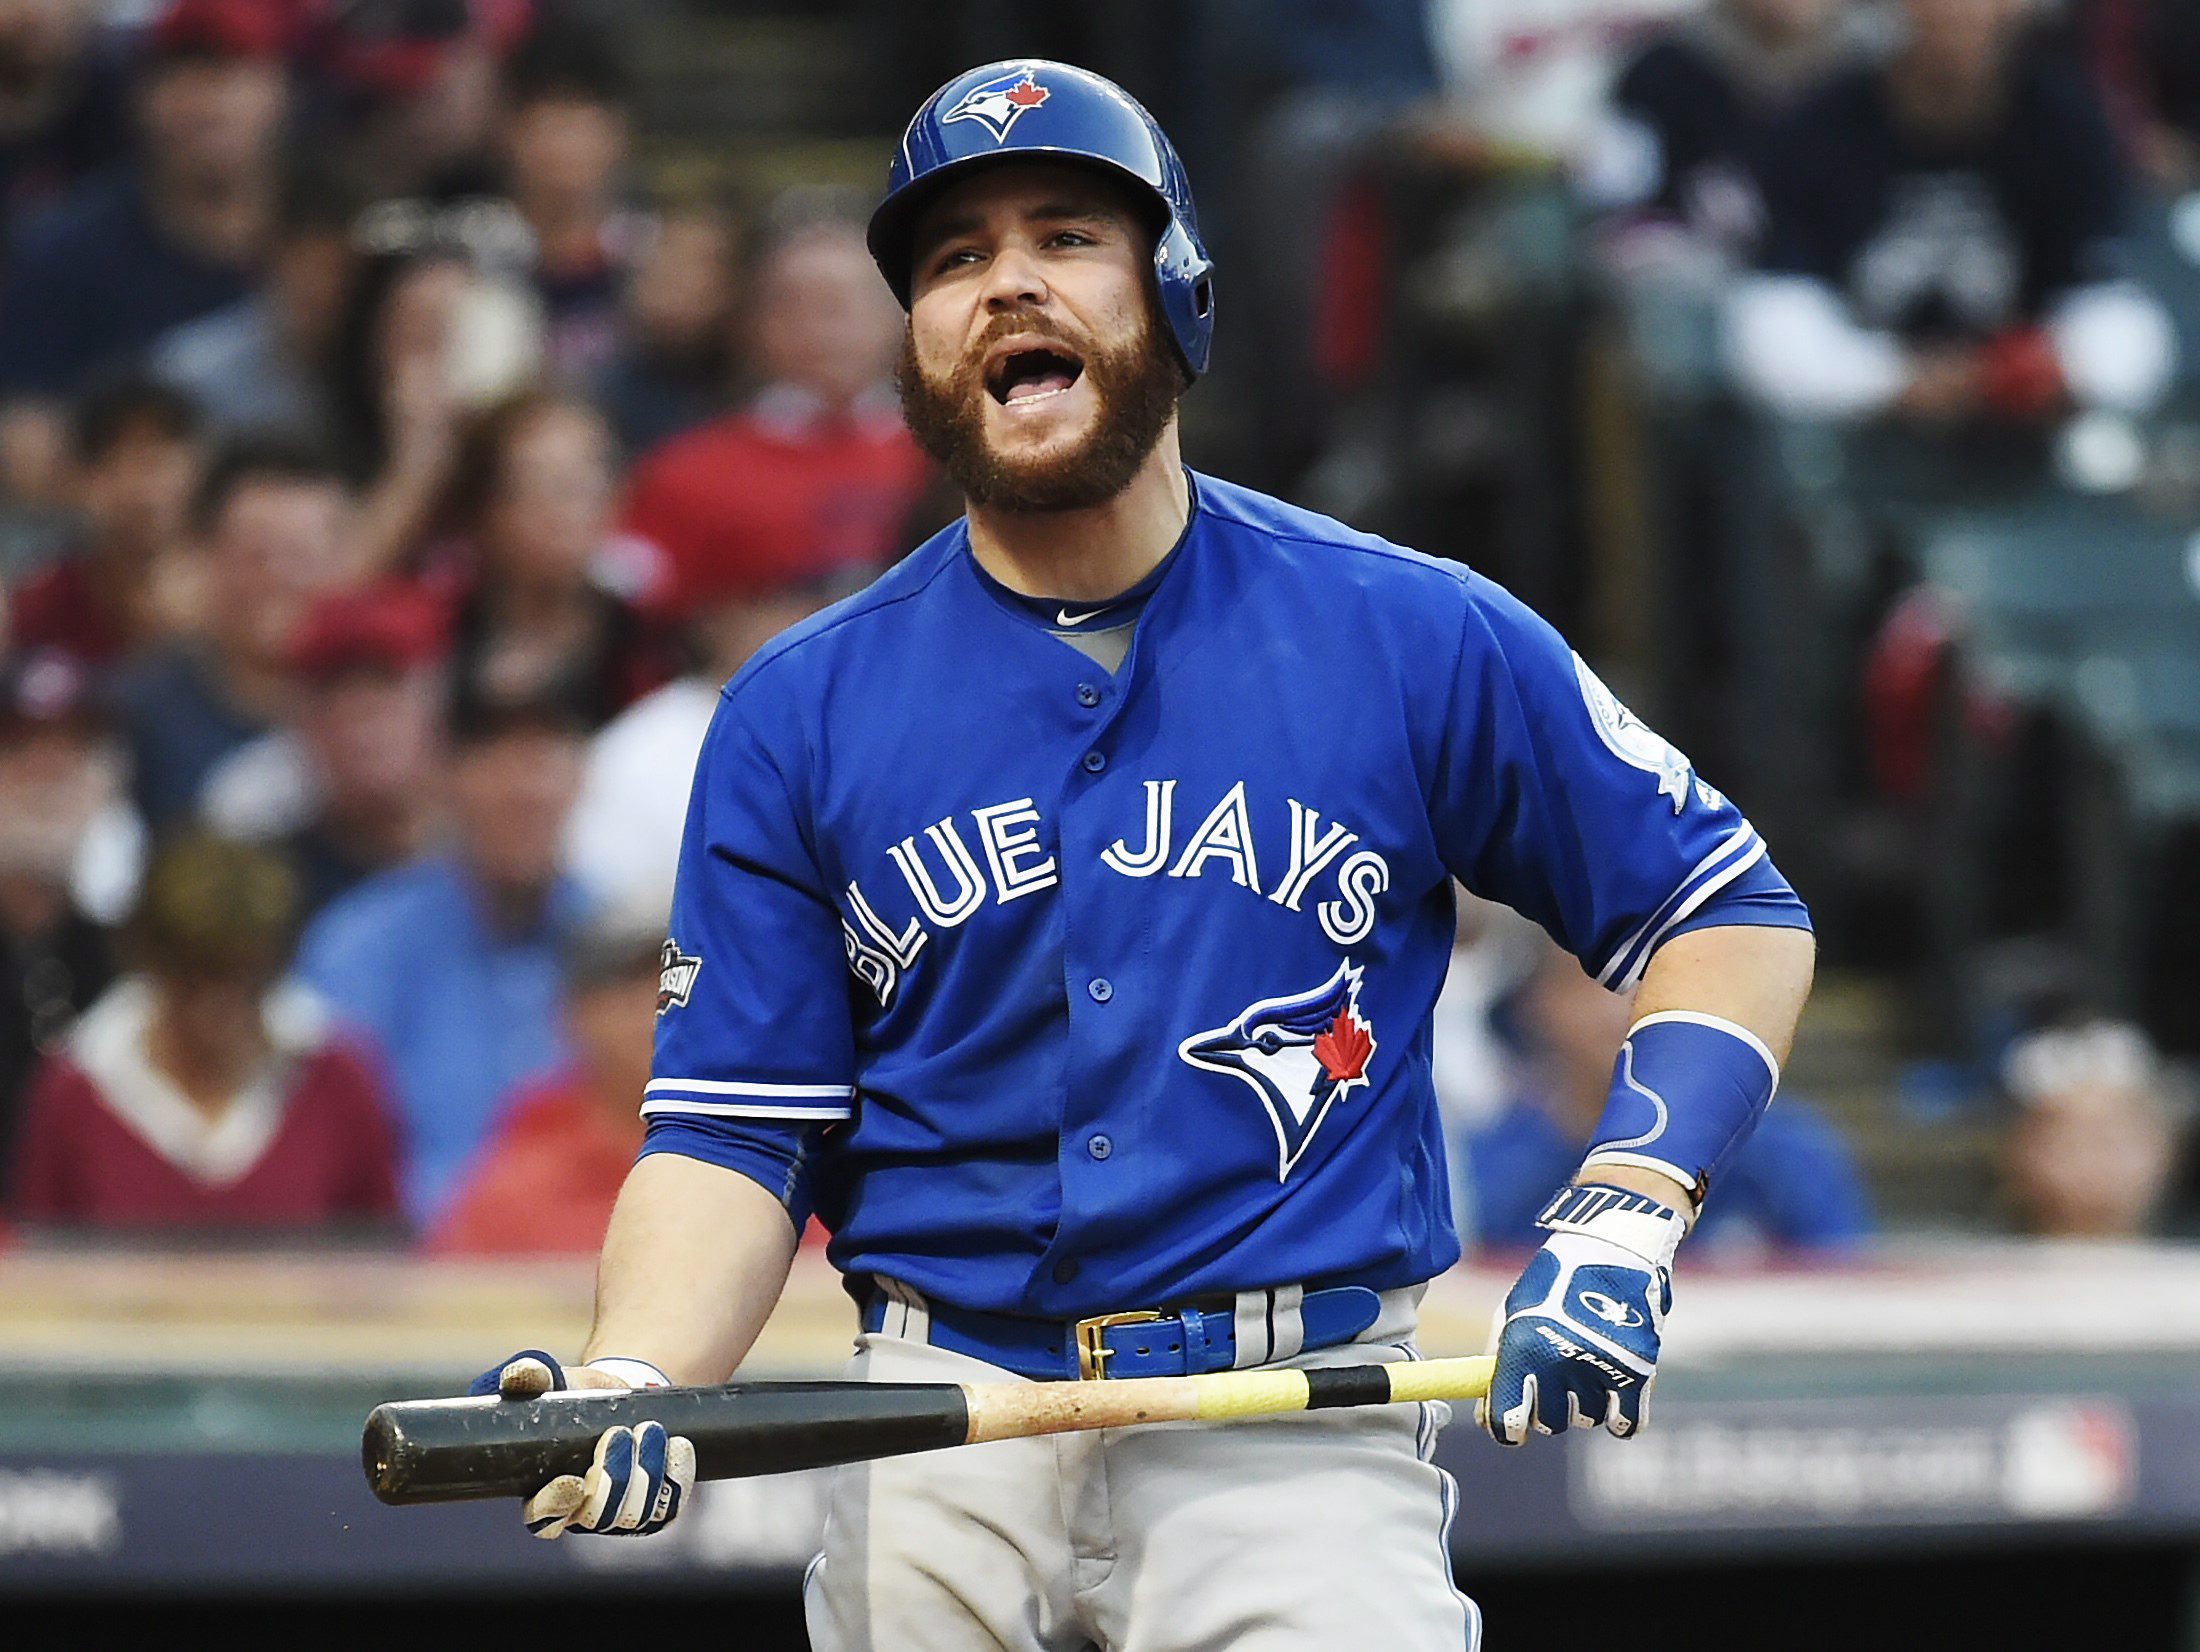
[{"x": 443, "y": 1451}]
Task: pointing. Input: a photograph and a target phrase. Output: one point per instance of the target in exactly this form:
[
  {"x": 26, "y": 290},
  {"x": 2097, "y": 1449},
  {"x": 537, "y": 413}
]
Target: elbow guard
[{"x": 1687, "y": 1092}]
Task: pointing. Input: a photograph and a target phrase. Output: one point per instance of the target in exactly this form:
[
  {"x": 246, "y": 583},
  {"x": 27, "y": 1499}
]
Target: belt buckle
[{"x": 1092, "y": 1351}]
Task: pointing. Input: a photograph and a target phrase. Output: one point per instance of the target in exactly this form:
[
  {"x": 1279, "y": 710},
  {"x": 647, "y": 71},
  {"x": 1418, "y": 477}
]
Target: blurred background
[{"x": 412, "y": 410}]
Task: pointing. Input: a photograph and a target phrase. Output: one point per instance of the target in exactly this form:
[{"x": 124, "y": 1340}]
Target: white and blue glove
[
  {"x": 1577, "y": 1338},
  {"x": 641, "y": 1476}
]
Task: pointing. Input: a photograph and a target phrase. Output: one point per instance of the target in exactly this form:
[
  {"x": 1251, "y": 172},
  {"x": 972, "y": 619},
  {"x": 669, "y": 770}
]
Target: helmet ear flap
[{"x": 1185, "y": 277}]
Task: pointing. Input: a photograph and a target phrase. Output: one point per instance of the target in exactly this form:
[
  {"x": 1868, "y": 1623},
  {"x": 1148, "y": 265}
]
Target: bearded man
[{"x": 1060, "y": 920}]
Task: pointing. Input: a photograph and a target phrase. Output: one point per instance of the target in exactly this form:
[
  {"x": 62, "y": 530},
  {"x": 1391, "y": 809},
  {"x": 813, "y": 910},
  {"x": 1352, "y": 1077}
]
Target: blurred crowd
[
  {"x": 389, "y": 478},
  {"x": 390, "y": 487}
]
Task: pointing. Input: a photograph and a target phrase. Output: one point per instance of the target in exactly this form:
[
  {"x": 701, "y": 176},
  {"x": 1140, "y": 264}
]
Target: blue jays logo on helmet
[
  {"x": 1000, "y": 103},
  {"x": 1299, "y": 1054}
]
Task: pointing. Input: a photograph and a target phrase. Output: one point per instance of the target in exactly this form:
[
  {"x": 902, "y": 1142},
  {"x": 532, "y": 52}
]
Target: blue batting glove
[
  {"x": 640, "y": 1476},
  {"x": 1577, "y": 1338},
  {"x": 521, "y": 1377}
]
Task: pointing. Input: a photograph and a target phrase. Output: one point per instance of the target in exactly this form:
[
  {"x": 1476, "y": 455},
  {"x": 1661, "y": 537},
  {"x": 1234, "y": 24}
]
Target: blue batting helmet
[{"x": 1031, "y": 107}]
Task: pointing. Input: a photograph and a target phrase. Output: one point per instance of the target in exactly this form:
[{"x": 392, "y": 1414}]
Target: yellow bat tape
[{"x": 1007, "y": 1411}]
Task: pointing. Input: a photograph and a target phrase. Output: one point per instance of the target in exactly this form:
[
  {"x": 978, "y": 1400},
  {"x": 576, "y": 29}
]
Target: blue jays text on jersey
[{"x": 1058, "y": 992}]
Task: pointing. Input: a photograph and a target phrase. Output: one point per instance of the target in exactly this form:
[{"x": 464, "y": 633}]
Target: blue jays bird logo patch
[
  {"x": 1299, "y": 1054},
  {"x": 1000, "y": 103}
]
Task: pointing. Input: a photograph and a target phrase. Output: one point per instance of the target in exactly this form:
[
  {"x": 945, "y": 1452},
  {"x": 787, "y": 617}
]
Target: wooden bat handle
[{"x": 1009, "y": 1410}]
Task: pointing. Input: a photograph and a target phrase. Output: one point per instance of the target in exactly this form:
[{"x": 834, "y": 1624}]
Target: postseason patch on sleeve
[
  {"x": 676, "y": 972},
  {"x": 1631, "y": 740}
]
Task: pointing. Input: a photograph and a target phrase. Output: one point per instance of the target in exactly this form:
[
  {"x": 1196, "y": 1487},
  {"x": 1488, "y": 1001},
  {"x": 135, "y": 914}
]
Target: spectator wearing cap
[
  {"x": 271, "y": 519},
  {"x": 415, "y": 86},
  {"x": 264, "y": 362},
  {"x": 198, "y": 1093},
  {"x": 1944, "y": 240},
  {"x": 59, "y": 773},
  {"x": 1792, "y": 1187},
  {"x": 544, "y": 612},
  {"x": 2094, "y": 1145},
  {"x": 450, "y": 965},
  {"x": 545, "y": 1180},
  {"x": 675, "y": 361},
  {"x": 816, "y": 476},
  {"x": 349, "y": 788},
  {"x": 136, "y": 457},
  {"x": 563, "y": 136},
  {"x": 177, "y": 233}
]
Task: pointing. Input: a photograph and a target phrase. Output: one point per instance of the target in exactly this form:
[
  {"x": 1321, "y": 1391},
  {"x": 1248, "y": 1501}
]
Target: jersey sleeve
[
  {"x": 755, "y": 1040},
  {"x": 1554, "y": 798}
]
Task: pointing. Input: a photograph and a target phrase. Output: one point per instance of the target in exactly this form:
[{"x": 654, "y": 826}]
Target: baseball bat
[{"x": 440, "y": 1451}]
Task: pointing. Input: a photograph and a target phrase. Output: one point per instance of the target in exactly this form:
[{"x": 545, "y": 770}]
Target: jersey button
[
  {"x": 1099, "y": 1147},
  {"x": 1087, "y": 695},
  {"x": 1065, "y": 1270},
  {"x": 1101, "y": 988},
  {"x": 1095, "y": 762}
]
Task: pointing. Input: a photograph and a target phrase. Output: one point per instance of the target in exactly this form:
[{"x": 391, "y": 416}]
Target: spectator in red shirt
[
  {"x": 545, "y": 1180},
  {"x": 547, "y": 614},
  {"x": 197, "y": 1094},
  {"x": 816, "y": 476},
  {"x": 136, "y": 452}
]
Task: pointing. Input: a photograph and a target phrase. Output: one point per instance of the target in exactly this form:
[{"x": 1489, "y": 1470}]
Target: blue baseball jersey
[{"x": 1055, "y": 991}]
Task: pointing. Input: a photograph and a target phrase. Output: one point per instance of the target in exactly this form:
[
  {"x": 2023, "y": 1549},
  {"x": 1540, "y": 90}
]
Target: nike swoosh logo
[{"x": 1064, "y": 617}]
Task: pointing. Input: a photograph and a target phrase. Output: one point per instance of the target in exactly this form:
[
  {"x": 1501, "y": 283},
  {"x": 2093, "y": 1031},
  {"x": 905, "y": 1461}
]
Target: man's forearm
[
  {"x": 693, "y": 1263},
  {"x": 1755, "y": 976}
]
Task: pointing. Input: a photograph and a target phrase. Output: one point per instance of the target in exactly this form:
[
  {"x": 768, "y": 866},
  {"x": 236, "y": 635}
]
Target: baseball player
[{"x": 1059, "y": 920}]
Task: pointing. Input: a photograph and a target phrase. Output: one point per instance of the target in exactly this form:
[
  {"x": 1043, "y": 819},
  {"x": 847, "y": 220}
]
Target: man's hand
[
  {"x": 640, "y": 1478},
  {"x": 1577, "y": 1338}
]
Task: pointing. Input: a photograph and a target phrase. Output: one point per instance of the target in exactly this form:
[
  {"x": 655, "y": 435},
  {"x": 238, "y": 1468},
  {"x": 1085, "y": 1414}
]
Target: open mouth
[{"x": 1032, "y": 374}]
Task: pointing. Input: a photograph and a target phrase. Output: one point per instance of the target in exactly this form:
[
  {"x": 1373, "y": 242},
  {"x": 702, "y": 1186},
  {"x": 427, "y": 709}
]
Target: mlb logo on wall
[{"x": 1000, "y": 103}]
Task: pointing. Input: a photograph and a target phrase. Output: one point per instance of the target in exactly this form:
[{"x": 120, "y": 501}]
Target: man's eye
[{"x": 1072, "y": 238}]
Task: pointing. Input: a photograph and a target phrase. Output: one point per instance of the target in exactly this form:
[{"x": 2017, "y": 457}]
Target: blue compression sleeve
[{"x": 1687, "y": 1092}]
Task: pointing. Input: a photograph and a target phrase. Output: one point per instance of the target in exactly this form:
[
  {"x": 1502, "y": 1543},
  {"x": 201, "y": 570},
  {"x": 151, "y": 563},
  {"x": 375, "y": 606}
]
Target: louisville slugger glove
[
  {"x": 641, "y": 1476},
  {"x": 1577, "y": 1338}
]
